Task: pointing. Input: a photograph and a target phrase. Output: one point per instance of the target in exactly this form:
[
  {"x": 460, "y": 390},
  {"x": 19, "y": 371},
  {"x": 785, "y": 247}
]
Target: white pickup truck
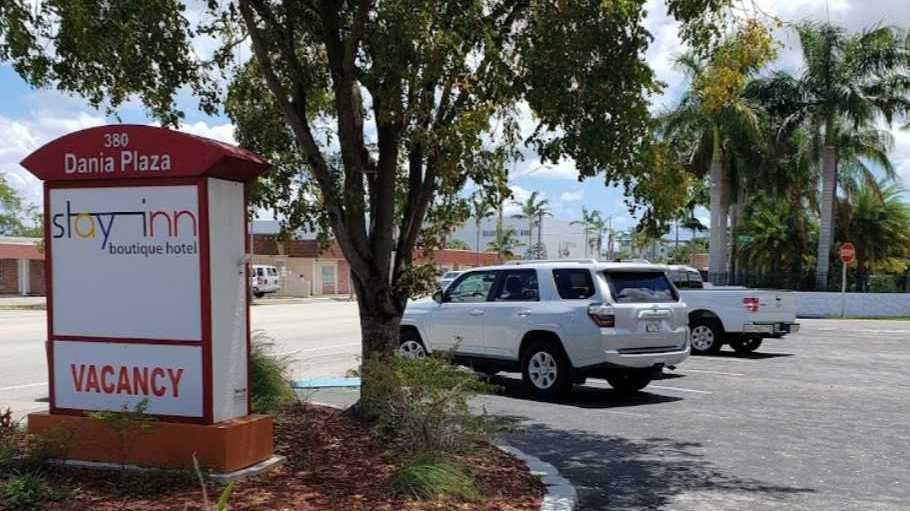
[{"x": 737, "y": 316}]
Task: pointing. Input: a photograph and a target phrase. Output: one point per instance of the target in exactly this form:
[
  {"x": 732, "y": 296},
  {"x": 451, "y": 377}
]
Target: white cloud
[
  {"x": 220, "y": 132},
  {"x": 519, "y": 194},
  {"x": 24, "y": 135},
  {"x": 901, "y": 154},
  {"x": 574, "y": 196},
  {"x": 564, "y": 170}
]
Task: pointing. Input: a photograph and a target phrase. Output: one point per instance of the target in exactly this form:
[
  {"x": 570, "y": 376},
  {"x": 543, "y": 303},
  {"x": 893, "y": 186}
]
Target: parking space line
[
  {"x": 24, "y": 386},
  {"x": 688, "y": 370},
  {"x": 679, "y": 389}
]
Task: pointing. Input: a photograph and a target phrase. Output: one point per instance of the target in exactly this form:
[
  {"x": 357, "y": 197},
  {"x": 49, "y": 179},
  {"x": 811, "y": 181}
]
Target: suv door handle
[
  {"x": 476, "y": 312},
  {"x": 524, "y": 313}
]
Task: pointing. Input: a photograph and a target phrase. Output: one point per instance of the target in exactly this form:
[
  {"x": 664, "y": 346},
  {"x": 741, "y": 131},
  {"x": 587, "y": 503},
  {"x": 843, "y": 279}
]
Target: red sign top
[
  {"x": 122, "y": 151},
  {"x": 847, "y": 253}
]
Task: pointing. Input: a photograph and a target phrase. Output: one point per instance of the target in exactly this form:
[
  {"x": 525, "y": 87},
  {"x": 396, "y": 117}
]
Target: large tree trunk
[
  {"x": 380, "y": 319},
  {"x": 826, "y": 228},
  {"x": 717, "y": 266}
]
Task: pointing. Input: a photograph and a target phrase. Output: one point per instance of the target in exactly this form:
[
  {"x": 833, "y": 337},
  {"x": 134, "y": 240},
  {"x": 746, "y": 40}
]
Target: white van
[{"x": 264, "y": 280}]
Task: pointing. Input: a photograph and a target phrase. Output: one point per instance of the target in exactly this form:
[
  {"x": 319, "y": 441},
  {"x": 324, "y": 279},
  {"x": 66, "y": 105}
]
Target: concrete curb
[
  {"x": 561, "y": 495},
  {"x": 219, "y": 477}
]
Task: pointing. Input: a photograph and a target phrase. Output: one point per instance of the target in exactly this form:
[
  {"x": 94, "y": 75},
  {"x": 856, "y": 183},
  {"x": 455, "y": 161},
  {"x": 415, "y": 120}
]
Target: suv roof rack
[{"x": 520, "y": 262}]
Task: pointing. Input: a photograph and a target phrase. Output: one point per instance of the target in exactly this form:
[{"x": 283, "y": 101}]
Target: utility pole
[{"x": 610, "y": 238}]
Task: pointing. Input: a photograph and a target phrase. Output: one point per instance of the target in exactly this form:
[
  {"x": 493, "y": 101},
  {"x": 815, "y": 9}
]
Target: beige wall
[{"x": 301, "y": 276}]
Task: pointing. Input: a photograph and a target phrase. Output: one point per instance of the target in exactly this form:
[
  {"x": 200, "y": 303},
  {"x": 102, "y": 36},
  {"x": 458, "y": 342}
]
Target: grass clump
[
  {"x": 270, "y": 387},
  {"x": 432, "y": 479},
  {"x": 30, "y": 491},
  {"x": 419, "y": 409},
  {"x": 10, "y": 438},
  {"x": 420, "y": 406}
]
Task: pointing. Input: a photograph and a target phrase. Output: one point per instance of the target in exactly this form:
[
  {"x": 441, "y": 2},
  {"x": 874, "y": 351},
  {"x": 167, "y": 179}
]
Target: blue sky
[{"x": 29, "y": 118}]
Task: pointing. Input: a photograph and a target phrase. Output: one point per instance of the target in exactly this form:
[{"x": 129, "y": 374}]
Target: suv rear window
[
  {"x": 574, "y": 284},
  {"x": 640, "y": 287}
]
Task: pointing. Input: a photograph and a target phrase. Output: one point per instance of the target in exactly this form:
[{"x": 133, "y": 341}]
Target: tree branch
[{"x": 303, "y": 134}]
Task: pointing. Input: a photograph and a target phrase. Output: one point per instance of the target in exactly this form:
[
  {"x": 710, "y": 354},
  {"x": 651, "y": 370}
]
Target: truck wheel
[
  {"x": 705, "y": 337},
  {"x": 257, "y": 294},
  {"x": 545, "y": 371},
  {"x": 746, "y": 345},
  {"x": 410, "y": 346},
  {"x": 629, "y": 381}
]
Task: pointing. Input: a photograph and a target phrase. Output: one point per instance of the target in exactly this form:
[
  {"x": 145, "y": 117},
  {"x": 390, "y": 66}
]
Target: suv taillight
[
  {"x": 751, "y": 304},
  {"x": 602, "y": 315}
]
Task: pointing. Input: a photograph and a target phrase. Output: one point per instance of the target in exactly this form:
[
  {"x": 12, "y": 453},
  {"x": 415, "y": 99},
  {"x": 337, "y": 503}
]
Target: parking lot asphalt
[{"x": 819, "y": 420}]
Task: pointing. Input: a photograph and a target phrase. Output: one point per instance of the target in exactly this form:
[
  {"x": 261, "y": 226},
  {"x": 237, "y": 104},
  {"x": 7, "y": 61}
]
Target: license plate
[{"x": 652, "y": 327}]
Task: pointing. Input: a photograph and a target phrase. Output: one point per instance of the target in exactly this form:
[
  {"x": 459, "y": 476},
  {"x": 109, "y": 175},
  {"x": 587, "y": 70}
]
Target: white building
[{"x": 560, "y": 239}]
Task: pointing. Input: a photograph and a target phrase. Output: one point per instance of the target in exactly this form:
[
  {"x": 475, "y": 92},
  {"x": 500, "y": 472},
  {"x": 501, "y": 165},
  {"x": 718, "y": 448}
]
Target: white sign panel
[
  {"x": 107, "y": 376},
  {"x": 126, "y": 262}
]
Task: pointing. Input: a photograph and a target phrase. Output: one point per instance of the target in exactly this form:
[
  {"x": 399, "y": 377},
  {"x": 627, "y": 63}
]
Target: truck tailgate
[{"x": 774, "y": 307}]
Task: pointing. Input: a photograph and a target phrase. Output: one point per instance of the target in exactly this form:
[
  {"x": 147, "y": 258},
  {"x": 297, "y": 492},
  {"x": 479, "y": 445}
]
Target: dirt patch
[{"x": 333, "y": 463}]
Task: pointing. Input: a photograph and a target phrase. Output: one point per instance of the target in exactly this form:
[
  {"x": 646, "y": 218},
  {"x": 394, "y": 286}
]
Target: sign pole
[
  {"x": 847, "y": 256},
  {"x": 843, "y": 291}
]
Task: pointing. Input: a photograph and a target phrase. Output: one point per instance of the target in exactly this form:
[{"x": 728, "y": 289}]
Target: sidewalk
[
  {"x": 14, "y": 302},
  {"x": 22, "y": 302}
]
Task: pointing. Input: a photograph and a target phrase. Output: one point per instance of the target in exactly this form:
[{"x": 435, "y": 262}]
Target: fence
[{"x": 868, "y": 283}]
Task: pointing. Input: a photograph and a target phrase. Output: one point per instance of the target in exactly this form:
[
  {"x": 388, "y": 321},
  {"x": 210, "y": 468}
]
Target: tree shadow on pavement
[
  {"x": 616, "y": 473},
  {"x": 582, "y": 396}
]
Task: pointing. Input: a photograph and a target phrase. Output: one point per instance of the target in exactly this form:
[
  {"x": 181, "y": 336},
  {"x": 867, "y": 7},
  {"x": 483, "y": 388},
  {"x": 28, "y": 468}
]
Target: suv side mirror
[{"x": 437, "y": 297}]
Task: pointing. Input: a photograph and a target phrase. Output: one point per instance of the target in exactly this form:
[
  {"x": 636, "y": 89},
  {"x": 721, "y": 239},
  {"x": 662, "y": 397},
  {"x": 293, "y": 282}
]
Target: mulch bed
[{"x": 333, "y": 463}]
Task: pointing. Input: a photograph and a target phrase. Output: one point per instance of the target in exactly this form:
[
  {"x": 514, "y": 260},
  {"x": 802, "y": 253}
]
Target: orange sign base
[{"x": 223, "y": 447}]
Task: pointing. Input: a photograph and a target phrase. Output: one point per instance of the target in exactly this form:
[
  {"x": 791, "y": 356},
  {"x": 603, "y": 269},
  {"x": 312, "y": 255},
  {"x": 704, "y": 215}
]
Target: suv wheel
[
  {"x": 746, "y": 345},
  {"x": 704, "y": 337},
  {"x": 629, "y": 381},
  {"x": 410, "y": 347},
  {"x": 545, "y": 370}
]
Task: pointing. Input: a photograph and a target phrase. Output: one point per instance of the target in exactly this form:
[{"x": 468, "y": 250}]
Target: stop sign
[{"x": 847, "y": 253}]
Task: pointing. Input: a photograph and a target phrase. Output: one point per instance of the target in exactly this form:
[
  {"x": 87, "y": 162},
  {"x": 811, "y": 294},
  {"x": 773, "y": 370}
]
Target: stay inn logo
[{"x": 157, "y": 229}]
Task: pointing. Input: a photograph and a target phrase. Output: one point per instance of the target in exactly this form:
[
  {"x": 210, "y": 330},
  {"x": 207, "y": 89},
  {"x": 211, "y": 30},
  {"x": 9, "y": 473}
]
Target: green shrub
[
  {"x": 30, "y": 491},
  {"x": 420, "y": 406},
  {"x": 53, "y": 444},
  {"x": 270, "y": 387},
  {"x": 429, "y": 478},
  {"x": 10, "y": 437},
  {"x": 127, "y": 424}
]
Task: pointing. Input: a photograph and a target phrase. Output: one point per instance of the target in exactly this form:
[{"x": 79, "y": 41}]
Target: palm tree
[
  {"x": 859, "y": 78},
  {"x": 767, "y": 228},
  {"x": 877, "y": 221},
  {"x": 532, "y": 209},
  {"x": 481, "y": 209},
  {"x": 505, "y": 243},
  {"x": 708, "y": 135},
  {"x": 587, "y": 219},
  {"x": 598, "y": 227},
  {"x": 541, "y": 248}
]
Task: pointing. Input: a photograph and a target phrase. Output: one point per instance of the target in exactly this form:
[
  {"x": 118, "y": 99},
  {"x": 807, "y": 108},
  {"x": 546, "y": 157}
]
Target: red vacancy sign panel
[{"x": 847, "y": 253}]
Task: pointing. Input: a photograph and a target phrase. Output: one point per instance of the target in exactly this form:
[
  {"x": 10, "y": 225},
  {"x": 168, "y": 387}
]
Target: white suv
[{"x": 558, "y": 322}]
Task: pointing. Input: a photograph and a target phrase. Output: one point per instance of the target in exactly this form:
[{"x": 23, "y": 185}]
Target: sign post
[
  {"x": 847, "y": 256},
  {"x": 148, "y": 293}
]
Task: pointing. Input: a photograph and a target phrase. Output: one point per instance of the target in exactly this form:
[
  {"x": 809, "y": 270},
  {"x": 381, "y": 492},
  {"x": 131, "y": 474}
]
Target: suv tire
[
  {"x": 411, "y": 346},
  {"x": 630, "y": 381},
  {"x": 545, "y": 370},
  {"x": 743, "y": 346},
  {"x": 705, "y": 336}
]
